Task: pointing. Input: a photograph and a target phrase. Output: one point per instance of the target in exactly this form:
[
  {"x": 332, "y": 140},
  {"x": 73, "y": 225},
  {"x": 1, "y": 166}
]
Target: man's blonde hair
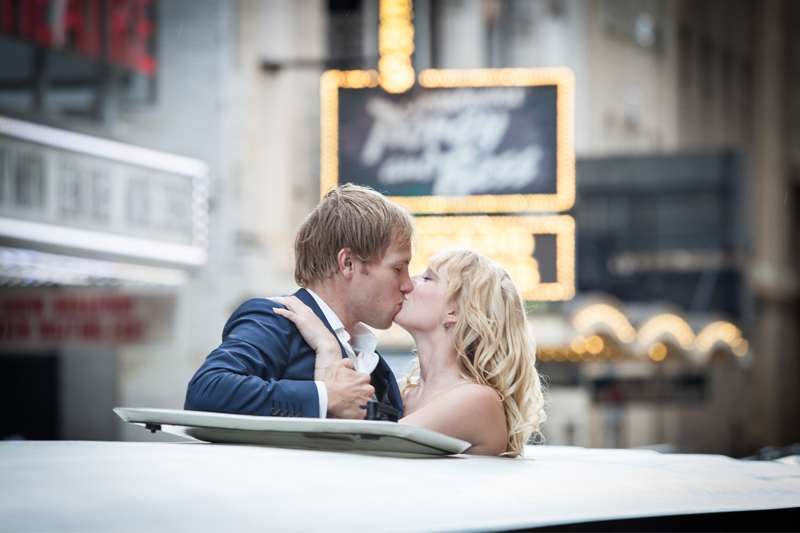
[
  {"x": 353, "y": 217},
  {"x": 493, "y": 341}
]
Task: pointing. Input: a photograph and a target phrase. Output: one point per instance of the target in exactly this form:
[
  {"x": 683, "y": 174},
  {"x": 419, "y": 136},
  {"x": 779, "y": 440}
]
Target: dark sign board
[
  {"x": 481, "y": 144},
  {"x": 450, "y": 142}
]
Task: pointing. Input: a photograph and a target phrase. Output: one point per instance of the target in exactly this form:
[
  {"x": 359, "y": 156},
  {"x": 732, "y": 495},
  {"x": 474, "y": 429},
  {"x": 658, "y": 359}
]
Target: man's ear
[{"x": 345, "y": 261}]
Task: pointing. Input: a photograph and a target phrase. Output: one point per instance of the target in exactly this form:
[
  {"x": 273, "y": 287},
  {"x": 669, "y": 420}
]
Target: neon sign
[
  {"x": 491, "y": 140},
  {"x": 514, "y": 242},
  {"x": 79, "y": 26}
]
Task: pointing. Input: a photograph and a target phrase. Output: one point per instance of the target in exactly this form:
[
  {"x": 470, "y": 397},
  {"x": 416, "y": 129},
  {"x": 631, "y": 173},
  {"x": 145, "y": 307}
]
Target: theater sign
[
  {"x": 475, "y": 141},
  {"x": 98, "y": 317},
  {"x": 91, "y": 196}
]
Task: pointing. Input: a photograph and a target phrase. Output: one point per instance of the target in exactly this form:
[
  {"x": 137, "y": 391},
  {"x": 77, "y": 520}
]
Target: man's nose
[{"x": 408, "y": 284}]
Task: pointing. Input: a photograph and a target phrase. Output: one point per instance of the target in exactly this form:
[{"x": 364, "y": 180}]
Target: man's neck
[{"x": 330, "y": 293}]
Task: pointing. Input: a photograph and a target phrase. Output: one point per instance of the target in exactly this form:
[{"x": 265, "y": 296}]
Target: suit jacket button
[{"x": 273, "y": 411}]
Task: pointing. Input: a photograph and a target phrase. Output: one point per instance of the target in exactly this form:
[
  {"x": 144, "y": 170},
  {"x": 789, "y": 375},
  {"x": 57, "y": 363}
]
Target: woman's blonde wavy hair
[{"x": 493, "y": 341}]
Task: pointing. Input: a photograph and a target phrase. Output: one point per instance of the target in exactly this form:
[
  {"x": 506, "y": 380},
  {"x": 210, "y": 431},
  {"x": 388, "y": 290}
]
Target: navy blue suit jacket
[{"x": 264, "y": 365}]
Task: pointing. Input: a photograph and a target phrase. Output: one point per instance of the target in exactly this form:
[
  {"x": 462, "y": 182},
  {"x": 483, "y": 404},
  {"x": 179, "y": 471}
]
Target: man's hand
[{"x": 347, "y": 389}]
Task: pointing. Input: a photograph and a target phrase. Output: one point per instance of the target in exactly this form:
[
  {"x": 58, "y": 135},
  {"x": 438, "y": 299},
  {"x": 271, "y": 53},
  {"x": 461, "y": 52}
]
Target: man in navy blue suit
[{"x": 351, "y": 260}]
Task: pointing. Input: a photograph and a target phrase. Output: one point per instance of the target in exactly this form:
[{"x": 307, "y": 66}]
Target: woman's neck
[{"x": 438, "y": 364}]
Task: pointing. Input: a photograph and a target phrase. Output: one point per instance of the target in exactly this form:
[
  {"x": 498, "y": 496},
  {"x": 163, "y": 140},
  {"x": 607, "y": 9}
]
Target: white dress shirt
[{"x": 360, "y": 349}]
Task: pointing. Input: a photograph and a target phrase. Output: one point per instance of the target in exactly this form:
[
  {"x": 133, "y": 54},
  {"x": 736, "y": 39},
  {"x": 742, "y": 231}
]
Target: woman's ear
[
  {"x": 345, "y": 262},
  {"x": 451, "y": 319}
]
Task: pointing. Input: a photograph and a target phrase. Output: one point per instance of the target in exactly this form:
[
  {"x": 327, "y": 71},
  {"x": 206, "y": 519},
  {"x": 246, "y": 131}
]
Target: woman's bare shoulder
[
  {"x": 475, "y": 398},
  {"x": 470, "y": 412}
]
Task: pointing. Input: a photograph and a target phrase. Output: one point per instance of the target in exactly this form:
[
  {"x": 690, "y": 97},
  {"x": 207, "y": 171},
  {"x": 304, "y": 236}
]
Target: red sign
[
  {"x": 79, "y": 25},
  {"x": 83, "y": 317}
]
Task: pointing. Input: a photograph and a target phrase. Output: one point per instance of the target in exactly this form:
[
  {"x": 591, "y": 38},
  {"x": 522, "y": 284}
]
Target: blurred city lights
[
  {"x": 657, "y": 352},
  {"x": 667, "y": 324},
  {"x": 593, "y": 321},
  {"x": 396, "y": 44},
  {"x": 578, "y": 344},
  {"x": 724, "y": 332},
  {"x": 617, "y": 322},
  {"x": 595, "y": 344},
  {"x": 740, "y": 347}
]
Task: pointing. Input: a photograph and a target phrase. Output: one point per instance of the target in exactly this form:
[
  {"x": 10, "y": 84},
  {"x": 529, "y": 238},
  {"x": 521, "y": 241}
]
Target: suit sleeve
[{"x": 244, "y": 375}]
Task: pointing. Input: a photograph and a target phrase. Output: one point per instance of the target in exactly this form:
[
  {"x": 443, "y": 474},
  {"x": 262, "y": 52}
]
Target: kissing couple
[{"x": 311, "y": 355}]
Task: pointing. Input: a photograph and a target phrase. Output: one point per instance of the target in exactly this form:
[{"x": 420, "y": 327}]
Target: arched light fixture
[
  {"x": 667, "y": 324},
  {"x": 585, "y": 319}
]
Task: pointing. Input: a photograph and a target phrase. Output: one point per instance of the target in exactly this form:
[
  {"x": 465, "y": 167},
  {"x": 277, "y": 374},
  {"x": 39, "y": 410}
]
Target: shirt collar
[
  {"x": 364, "y": 342},
  {"x": 330, "y": 316}
]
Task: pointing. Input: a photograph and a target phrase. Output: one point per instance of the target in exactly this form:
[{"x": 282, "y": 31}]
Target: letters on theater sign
[{"x": 84, "y": 317}]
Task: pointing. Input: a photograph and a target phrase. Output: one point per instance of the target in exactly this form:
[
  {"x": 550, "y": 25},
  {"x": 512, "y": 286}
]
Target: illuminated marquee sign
[
  {"x": 117, "y": 31},
  {"x": 492, "y": 140},
  {"x": 461, "y": 142},
  {"x": 537, "y": 251},
  {"x": 66, "y": 189}
]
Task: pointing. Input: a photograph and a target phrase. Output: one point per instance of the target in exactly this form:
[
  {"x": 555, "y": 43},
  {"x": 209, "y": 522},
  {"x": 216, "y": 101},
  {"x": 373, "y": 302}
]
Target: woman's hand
[{"x": 321, "y": 340}]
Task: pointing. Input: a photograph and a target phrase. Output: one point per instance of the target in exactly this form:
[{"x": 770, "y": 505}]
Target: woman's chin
[{"x": 399, "y": 321}]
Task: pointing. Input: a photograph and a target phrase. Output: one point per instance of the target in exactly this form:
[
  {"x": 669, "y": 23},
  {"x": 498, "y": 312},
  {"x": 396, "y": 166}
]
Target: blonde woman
[{"x": 474, "y": 378}]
